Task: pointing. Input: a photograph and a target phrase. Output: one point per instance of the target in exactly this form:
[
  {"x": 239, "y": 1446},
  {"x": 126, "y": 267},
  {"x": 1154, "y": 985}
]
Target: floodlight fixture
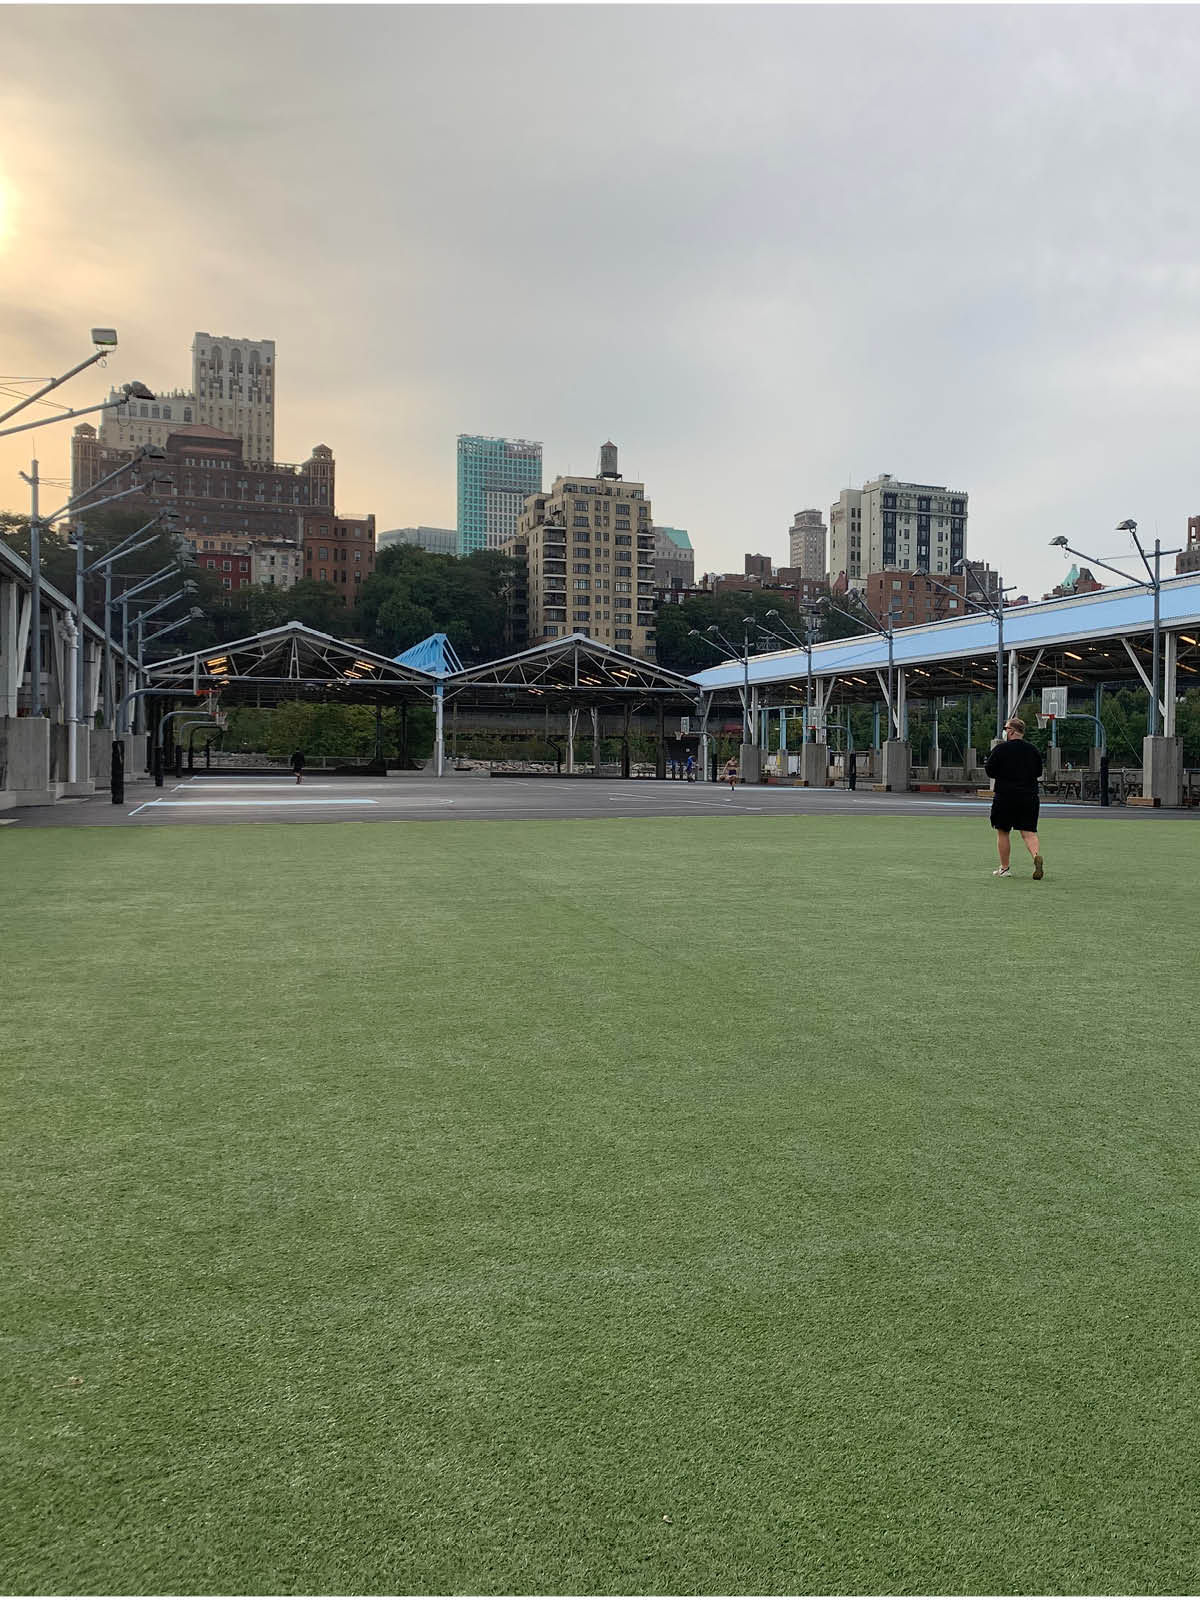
[{"x": 105, "y": 338}]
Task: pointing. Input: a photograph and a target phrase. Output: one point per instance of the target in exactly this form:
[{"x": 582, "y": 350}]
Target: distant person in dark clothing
[
  {"x": 690, "y": 769},
  {"x": 298, "y": 764},
  {"x": 1016, "y": 767}
]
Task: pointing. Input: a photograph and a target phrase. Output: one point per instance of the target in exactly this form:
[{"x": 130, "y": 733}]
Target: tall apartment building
[
  {"x": 233, "y": 390},
  {"x": 516, "y": 595},
  {"x": 806, "y": 544},
  {"x": 590, "y": 560},
  {"x": 438, "y": 541},
  {"x": 674, "y": 559},
  {"x": 892, "y": 526},
  {"x": 495, "y": 477}
]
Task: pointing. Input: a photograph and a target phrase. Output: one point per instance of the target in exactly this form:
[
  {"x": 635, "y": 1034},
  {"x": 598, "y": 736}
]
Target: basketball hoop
[{"x": 1045, "y": 721}]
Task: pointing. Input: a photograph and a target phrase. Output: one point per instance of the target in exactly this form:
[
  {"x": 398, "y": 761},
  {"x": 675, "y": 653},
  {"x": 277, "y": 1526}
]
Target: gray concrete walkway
[{"x": 417, "y": 797}]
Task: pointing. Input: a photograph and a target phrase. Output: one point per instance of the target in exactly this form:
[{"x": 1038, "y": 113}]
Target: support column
[
  {"x": 596, "y": 741},
  {"x": 1014, "y": 685},
  {"x": 439, "y": 732},
  {"x": 1170, "y": 690},
  {"x": 660, "y": 753},
  {"x": 1162, "y": 757},
  {"x": 572, "y": 724},
  {"x": 626, "y": 715},
  {"x": 902, "y": 704},
  {"x": 13, "y": 641}
]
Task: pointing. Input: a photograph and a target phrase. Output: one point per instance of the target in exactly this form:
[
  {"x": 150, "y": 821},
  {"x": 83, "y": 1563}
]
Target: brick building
[
  {"x": 339, "y": 550},
  {"x": 214, "y": 489},
  {"x": 230, "y": 560},
  {"x": 913, "y": 599}
]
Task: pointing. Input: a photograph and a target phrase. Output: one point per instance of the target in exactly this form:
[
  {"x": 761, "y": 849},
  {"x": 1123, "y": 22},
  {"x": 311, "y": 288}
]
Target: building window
[
  {"x": 323, "y": 574},
  {"x": 323, "y": 553},
  {"x": 227, "y": 566}
]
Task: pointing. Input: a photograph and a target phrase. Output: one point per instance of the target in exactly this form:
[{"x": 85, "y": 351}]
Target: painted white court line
[
  {"x": 200, "y": 783},
  {"x": 195, "y": 805}
]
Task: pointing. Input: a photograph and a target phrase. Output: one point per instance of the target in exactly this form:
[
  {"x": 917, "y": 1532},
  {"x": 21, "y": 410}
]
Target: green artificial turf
[{"x": 670, "y": 1206}]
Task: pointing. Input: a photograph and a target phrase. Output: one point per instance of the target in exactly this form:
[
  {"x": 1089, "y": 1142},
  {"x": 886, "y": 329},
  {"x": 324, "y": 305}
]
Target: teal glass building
[{"x": 494, "y": 477}]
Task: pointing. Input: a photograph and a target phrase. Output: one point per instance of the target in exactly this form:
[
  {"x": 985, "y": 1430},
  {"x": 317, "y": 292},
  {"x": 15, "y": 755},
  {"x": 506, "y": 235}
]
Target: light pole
[
  {"x": 743, "y": 655},
  {"x": 128, "y": 546},
  {"x": 1154, "y": 584},
  {"x": 105, "y": 340},
  {"x": 37, "y": 522},
  {"x": 887, "y": 630},
  {"x": 995, "y": 608},
  {"x": 805, "y": 644}
]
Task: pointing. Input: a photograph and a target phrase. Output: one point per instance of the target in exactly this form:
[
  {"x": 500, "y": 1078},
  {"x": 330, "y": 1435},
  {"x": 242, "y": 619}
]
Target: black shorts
[{"x": 1017, "y": 810}]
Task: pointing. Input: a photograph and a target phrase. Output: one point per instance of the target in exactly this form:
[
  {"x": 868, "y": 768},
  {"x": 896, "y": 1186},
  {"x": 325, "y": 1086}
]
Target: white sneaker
[{"x": 1002, "y": 872}]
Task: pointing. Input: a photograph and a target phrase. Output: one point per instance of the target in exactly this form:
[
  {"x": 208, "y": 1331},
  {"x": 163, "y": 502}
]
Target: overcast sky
[{"x": 770, "y": 251}]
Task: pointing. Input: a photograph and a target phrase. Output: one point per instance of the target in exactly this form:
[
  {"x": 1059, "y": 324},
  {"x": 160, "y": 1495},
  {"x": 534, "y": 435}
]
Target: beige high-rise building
[
  {"x": 806, "y": 545},
  {"x": 233, "y": 389},
  {"x": 590, "y": 554},
  {"x": 889, "y": 526}
]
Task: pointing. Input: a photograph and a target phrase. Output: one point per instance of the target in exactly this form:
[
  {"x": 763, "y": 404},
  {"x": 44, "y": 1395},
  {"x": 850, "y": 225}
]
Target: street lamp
[
  {"x": 37, "y": 522},
  {"x": 888, "y": 631},
  {"x": 743, "y": 655},
  {"x": 995, "y": 609},
  {"x": 1153, "y": 583},
  {"x": 805, "y": 644}
]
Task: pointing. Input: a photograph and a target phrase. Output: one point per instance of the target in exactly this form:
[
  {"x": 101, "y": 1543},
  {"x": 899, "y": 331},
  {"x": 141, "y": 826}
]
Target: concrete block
[
  {"x": 749, "y": 763},
  {"x": 28, "y": 761},
  {"x": 1162, "y": 770},
  {"x": 81, "y": 734},
  {"x": 814, "y": 770},
  {"x": 897, "y": 762}
]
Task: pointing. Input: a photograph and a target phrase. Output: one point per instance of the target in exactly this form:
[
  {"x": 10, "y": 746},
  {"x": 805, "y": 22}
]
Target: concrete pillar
[
  {"x": 970, "y": 760},
  {"x": 13, "y": 642},
  {"x": 82, "y": 737},
  {"x": 897, "y": 763},
  {"x": 572, "y": 724},
  {"x": 749, "y": 763},
  {"x": 814, "y": 766},
  {"x": 1170, "y": 676},
  {"x": 660, "y": 747},
  {"x": 1094, "y": 759},
  {"x": 1162, "y": 770},
  {"x": 1054, "y": 761},
  {"x": 28, "y": 761},
  {"x": 596, "y": 740}
]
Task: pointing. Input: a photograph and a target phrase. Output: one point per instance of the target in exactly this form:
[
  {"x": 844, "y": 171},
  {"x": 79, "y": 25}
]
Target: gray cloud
[{"x": 767, "y": 249}]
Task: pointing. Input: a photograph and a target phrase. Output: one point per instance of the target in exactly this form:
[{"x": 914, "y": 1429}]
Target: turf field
[{"x": 673, "y": 1206}]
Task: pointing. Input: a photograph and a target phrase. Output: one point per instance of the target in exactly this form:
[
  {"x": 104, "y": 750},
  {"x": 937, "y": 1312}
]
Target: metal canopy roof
[
  {"x": 571, "y": 671},
  {"x": 1082, "y": 641},
  {"x": 292, "y": 663}
]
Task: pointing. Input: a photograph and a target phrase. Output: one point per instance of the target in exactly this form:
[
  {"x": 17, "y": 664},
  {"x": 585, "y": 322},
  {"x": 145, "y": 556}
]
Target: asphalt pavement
[{"x": 418, "y": 797}]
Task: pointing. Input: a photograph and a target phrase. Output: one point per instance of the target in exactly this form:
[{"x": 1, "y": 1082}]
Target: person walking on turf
[
  {"x": 298, "y": 764},
  {"x": 1016, "y": 767},
  {"x": 731, "y": 773}
]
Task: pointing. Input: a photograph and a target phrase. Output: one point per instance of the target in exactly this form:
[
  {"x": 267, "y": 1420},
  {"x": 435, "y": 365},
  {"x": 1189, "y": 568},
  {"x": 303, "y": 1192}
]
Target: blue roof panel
[{"x": 1106, "y": 614}]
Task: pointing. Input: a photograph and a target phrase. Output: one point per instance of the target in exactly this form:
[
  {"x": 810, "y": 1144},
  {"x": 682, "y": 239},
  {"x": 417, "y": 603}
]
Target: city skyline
[{"x": 957, "y": 254}]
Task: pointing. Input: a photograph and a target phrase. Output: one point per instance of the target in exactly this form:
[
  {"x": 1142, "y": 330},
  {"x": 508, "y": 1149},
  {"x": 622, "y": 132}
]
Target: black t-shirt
[{"x": 1015, "y": 765}]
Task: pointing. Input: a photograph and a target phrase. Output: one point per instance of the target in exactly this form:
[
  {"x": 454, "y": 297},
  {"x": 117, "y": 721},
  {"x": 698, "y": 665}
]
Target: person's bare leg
[
  {"x": 1035, "y": 850},
  {"x": 1004, "y": 845}
]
